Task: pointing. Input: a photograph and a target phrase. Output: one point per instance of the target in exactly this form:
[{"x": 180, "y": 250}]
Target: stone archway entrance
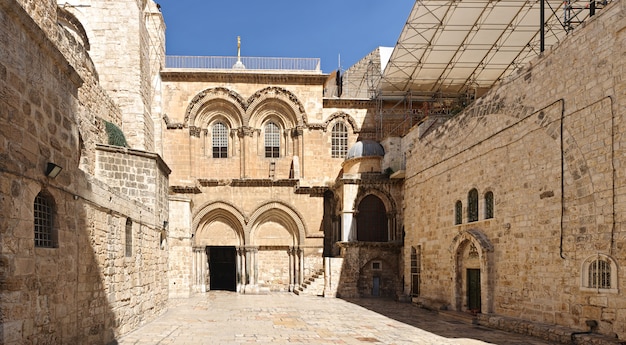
[
  {"x": 472, "y": 257},
  {"x": 222, "y": 267}
]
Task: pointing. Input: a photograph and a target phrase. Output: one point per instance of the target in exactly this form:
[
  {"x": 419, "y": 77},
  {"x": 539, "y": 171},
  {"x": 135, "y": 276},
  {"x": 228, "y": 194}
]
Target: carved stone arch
[
  {"x": 220, "y": 210},
  {"x": 386, "y": 198},
  {"x": 276, "y": 99},
  {"x": 480, "y": 245},
  {"x": 343, "y": 116},
  {"x": 287, "y": 216},
  {"x": 218, "y": 110},
  {"x": 209, "y": 100}
]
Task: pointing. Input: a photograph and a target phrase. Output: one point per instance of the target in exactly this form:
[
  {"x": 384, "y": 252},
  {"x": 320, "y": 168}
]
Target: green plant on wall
[{"x": 115, "y": 134}]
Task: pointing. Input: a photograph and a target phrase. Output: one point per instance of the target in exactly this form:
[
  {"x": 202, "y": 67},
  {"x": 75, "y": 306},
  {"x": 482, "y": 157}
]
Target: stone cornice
[
  {"x": 349, "y": 103},
  {"x": 124, "y": 150},
  {"x": 229, "y": 76}
]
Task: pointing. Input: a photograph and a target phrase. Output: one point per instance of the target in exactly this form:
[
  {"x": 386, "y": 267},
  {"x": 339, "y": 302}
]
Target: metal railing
[{"x": 248, "y": 63}]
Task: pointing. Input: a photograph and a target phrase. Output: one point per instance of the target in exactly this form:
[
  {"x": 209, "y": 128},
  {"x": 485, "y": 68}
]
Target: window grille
[
  {"x": 488, "y": 205},
  {"x": 339, "y": 140},
  {"x": 43, "y": 219},
  {"x": 472, "y": 205},
  {"x": 458, "y": 212},
  {"x": 415, "y": 271},
  {"x": 600, "y": 274},
  {"x": 219, "y": 137},
  {"x": 129, "y": 237},
  {"x": 272, "y": 140}
]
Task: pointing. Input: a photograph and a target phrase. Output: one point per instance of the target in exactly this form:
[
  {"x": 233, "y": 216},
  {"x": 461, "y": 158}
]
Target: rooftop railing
[{"x": 244, "y": 63}]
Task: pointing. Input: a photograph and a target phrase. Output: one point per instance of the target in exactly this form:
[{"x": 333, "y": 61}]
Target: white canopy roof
[{"x": 451, "y": 46}]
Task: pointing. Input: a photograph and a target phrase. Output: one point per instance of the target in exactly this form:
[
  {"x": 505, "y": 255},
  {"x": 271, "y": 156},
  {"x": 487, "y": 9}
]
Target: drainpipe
[{"x": 592, "y": 324}]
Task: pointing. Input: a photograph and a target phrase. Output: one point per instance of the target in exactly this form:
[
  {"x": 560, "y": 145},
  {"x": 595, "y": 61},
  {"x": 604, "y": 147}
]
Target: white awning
[{"x": 454, "y": 46}]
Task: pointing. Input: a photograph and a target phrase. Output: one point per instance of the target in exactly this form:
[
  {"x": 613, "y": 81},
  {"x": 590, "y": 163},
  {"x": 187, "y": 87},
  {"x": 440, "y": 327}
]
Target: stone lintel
[{"x": 230, "y": 76}]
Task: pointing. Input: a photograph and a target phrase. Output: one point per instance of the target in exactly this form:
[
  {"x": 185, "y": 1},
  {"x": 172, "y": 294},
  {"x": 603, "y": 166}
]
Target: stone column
[
  {"x": 391, "y": 226},
  {"x": 292, "y": 268},
  {"x": 200, "y": 269},
  {"x": 241, "y": 269},
  {"x": 300, "y": 266},
  {"x": 348, "y": 221},
  {"x": 252, "y": 270}
]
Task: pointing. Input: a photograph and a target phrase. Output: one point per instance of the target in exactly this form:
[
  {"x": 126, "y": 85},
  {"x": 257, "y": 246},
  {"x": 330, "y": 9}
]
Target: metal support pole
[{"x": 542, "y": 31}]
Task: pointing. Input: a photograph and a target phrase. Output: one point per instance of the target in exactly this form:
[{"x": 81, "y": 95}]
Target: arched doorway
[
  {"x": 218, "y": 261},
  {"x": 472, "y": 257},
  {"x": 372, "y": 223}
]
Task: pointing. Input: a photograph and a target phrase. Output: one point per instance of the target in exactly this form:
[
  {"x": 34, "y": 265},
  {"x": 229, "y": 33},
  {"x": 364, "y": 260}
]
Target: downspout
[
  {"x": 562, "y": 100},
  {"x": 613, "y": 176}
]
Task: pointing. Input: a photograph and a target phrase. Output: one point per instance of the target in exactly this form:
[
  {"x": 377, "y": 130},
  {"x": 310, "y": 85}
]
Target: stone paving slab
[{"x": 220, "y": 317}]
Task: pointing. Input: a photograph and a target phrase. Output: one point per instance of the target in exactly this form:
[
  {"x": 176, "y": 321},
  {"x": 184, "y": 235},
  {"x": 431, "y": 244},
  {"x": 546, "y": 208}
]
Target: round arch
[
  {"x": 472, "y": 250},
  {"x": 220, "y": 212},
  {"x": 386, "y": 198},
  {"x": 342, "y": 116},
  {"x": 283, "y": 214},
  {"x": 278, "y": 100},
  {"x": 209, "y": 101}
]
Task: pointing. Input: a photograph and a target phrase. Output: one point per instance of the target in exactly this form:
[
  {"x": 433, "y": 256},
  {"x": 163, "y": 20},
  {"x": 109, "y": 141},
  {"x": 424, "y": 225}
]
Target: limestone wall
[
  {"x": 139, "y": 175},
  {"x": 83, "y": 289},
  {"x": 546, "y": 144}
]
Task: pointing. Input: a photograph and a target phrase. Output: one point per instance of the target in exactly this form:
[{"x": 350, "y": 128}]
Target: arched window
[
  {"x": 339, "y": 140},
  {"x": 219, "y": 137},
  {"x": 128, "y": 233},
  {"x": 43, "y": 208},
  {"x": 372, "y": 220},
  {"x": 488, "y": 205},
  {"x": 599, "y": 273},
  {"x": 272, "y": 140},
  {"x": 472, "y": 205},
  {"x": 458, "y": 212},
  {"x": 415, "y": 270}
]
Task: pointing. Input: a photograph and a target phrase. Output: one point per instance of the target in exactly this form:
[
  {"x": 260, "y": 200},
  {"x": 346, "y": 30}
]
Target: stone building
[
  {"x": 179, "y": 176},
  {"x": 83, "y": 254}
]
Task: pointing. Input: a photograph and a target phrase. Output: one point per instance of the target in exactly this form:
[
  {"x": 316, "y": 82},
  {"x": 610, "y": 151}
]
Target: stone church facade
[{"x": 178, "y": 181}]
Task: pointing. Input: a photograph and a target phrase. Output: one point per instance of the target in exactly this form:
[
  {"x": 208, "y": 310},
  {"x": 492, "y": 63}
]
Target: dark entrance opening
[
  {"x": 473, "y": 290},
  {"x": 222, "y": 268}
]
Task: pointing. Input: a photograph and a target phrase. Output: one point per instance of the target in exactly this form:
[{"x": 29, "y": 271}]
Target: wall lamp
[{"x": 52, "y": 170}]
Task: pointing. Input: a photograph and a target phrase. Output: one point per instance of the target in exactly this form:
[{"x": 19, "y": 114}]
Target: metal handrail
[{"x": 247, "y": 63}]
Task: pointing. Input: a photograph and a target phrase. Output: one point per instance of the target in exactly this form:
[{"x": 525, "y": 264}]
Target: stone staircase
[{"x": 313, "y": 285}]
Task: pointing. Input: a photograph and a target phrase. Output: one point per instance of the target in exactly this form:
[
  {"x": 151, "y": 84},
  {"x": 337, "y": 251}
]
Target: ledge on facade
[
  {"x": 550, "y": 332},
  {"x": 184, "y": 189},
  {"x": 264, "y": 183},
  {"x": 349, "y": 103},
  {"x": 313, "y": 191},
  {"x": 139, "y": 153},
  {"x": 243, "y": 76},
  {"x": 360, "y": 244},
  {"x": 397, "y": 175}
]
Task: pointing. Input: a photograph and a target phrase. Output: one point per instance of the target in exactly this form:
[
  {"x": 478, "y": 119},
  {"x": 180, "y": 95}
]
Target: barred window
[
  {"x": 488, "y": 205},
  {"x": 339, "y": 140},
  {"x": 472, "y": 205},
  {"x": 219, "y": 137},
  {"x": 44, "y": 220},
  {"x": 600, "y": 274},
  {"x": 415, "y": 270},
  {"x": 272, "y": 140},
  {"x": 458, "y": 212},
  {"x": 128, "y": 233}
]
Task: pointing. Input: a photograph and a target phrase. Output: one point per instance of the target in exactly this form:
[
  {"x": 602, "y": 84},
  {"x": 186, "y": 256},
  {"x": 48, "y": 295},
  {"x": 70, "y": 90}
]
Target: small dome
[{"x": 365, "y": 148}]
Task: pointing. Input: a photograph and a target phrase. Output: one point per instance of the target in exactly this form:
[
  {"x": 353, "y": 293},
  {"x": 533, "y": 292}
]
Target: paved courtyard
[{"x": 221, "y": 317}]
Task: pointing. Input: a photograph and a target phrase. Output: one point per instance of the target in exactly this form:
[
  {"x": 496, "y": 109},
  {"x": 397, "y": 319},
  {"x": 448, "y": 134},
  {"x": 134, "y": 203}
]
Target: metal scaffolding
[{"x": 452, "y": 51}]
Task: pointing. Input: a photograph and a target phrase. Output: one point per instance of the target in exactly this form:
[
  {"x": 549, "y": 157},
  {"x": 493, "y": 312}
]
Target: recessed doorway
[{"x": 222, "y": 268}]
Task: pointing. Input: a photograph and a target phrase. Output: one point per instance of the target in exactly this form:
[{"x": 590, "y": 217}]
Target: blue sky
[{"x": 281, "y": 28}]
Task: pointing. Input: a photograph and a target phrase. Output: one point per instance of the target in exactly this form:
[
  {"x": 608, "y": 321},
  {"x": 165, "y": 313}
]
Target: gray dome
[{"x": 365, "y": 148}]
